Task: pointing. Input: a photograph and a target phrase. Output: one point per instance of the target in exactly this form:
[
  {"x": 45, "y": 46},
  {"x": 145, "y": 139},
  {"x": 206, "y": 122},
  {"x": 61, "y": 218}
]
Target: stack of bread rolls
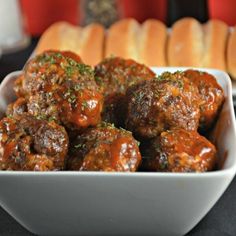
[
  {"x": 88, "y": 42},
  {"x": 144, "y": 43},
  {"x": 187, "y": 43},
  {"x": 194, "y": 44}
]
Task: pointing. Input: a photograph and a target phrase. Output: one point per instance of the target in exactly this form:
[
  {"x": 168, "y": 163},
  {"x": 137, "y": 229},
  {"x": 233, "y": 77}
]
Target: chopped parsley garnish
[
  {"x": 58, "y": 55},
  {"x": 84, "y": 69},
  {"x": 46, "y": 58},
  {"x": 84, "y": 105},
  {"x": 41, "y": 117},
  {"x": 77, "y": 87},
  {"x": 72, "y": 98},
  {"x": 98, "y": 79},
  {"x": 163, "y": 161},
  {"x": 71, "y": 62},
  {"x": 79, "y": 145},
  {"x": 180, "y": 83},
  {"x": 52, "y": 118},
  {"x": 68, "y": 93},
  {"x": 69, "y": 70}
]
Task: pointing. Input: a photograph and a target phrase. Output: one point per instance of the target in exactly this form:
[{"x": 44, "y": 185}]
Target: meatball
[
  {"x": 104, "y": 148},
  {"x": 58, "y": 87},
  {"x": 18, "y": 86},
  {"x": 30, "y": 144},
  {"x": 114, "y": 75},
  {"x": 179, "y": 150},
  {"x": 17, "y": 108},
  {"x": 165, "y": 102},
  {"x": 212, "y": 96},
  {"x": 50, "y": 69},
  {"x": 72, "y": 108}
]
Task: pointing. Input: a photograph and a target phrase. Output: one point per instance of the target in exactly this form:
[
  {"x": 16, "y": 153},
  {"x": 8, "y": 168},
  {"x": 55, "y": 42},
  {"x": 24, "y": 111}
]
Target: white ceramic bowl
[{"x": 98, "y": 203}]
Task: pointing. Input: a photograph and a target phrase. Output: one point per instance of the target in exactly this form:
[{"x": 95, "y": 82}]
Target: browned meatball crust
[
  {"x": 50, "y": 70},
  {"x": 30, "y": 144},
  {"x": 104, "y": 148},
  {"x": 168, "y": 101},
  {"x": 17, "y": 108},
  {"x": 212, "y": 96},
  {"x": 58, "y": 87},
  {"x": 114, "y": 75},
  {"x": 179, "y": 150}
]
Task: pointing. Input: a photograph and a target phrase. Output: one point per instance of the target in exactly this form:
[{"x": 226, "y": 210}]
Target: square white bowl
[{"x": 99, "y": 203}]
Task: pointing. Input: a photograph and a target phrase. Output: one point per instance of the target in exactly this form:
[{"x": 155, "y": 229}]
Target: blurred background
[
  {"x": 39, "y": 14},
  {"x": 23, "y": 21}
]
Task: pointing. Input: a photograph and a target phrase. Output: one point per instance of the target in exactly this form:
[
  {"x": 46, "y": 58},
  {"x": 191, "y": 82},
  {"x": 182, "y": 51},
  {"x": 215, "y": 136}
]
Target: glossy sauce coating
[
  {"x": 115, "y": 75},
  {"x": 31, "y": 144},
  {"x": 104, "y": 148},
  {"x": 179, "y": 150},
  {"x": 50, "y": 70},
  {"x": 17, "y": 108},
  {"x": 163, "y": 113},
  {"x": 211, "y": 94},
  {"x": 57, "y": 86},
  {"x": 165, "y": 102}
]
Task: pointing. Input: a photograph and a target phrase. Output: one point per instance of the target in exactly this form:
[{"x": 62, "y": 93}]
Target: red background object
[
  {"x": 223, "y": 10},
  {"x": 39, "y": 14},
  {"x": 143, "y": 9}
]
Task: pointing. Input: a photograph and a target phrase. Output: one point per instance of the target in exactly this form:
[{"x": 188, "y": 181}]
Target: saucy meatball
[
  {"x": 17, "y": 108},
  {"x": 179, "y": 150},
  {"x": 165, "y": 102},
  {"x": 72, "y": 108},
  {"x": 211, "y": 94},
  {"x": 114, "y": 75},
  {"x": 104, "y": 148},
  {"x": 30, "y": 144},
  {"x": 58, "y": 87},
  {"x": 49, "y": 69}
]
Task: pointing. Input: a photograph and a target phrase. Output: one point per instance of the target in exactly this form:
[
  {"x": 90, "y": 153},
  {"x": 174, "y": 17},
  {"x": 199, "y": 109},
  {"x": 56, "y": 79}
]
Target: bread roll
[
  {"x": 92, "y": 44},
  {"x": 143, "y": 43},
  {"x": 152, "y": 43},
  {"x": 231, "y": 53},
  {"x": 87, "y": 42},
  {"x": 121, "y": 39},
  {"x": 215, "y": 39},
  {"x": 193, "y": 44},
  {"x": 185, "y": 47}
]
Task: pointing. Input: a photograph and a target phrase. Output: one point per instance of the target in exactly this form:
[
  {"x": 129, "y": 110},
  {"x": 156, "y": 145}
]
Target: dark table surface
[{"x": 220, "y": 221}]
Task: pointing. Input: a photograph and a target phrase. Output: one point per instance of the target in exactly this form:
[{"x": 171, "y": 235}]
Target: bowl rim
[
  {"x": 231, "y": 170},
  {"x": 225, "y": 172}
]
